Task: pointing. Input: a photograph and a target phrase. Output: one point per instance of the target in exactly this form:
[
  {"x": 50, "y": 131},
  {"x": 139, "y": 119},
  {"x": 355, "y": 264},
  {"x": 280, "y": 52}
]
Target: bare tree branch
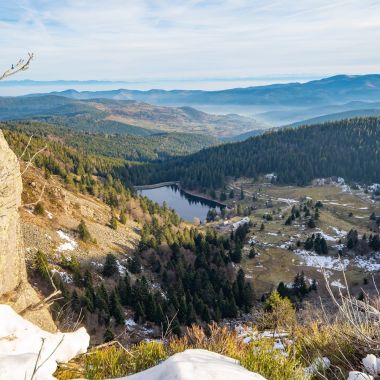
[{"x": 21, "y": 65}]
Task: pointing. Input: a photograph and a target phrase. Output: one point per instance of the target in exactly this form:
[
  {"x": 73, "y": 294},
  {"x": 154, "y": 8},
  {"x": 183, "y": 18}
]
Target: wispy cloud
[{"x": 157, "y": 39}]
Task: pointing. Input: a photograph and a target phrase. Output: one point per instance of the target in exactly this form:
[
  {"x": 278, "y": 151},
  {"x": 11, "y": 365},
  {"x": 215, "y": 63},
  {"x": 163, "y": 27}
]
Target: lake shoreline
[{"x": 178, "y": 184}]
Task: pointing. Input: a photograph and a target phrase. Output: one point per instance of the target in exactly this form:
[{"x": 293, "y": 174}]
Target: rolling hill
[
  {"x": 148, "y": 148},
  {"x": 348, "y": 148},
  {"x": 276, "y": 104},
  {"x": 120, "y": 116},
  {"x": 338, "y": 116}
]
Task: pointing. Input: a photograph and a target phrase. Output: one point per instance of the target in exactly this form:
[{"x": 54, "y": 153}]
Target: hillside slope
[
  {"x": 155, "y": 147},
  {"x": 348, "y": 148}
]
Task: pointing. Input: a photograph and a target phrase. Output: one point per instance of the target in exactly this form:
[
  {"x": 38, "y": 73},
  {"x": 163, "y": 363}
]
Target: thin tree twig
[{"x": 21, "y": 65}]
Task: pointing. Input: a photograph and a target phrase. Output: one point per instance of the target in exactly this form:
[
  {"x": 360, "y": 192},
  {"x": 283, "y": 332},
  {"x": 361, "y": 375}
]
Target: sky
[{"x": 191, "y": 41}]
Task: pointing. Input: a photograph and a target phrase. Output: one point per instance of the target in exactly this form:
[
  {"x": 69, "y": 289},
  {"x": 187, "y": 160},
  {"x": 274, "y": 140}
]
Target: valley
[
  {"x": 189, "y": 190},
  {"x": 187, "y": 206},
  {"x": 146, "y": 231},
  {"x": 279, "y": 254}
]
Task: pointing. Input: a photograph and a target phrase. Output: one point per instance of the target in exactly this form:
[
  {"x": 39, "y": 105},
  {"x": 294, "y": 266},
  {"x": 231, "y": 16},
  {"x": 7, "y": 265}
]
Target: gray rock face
[{"x": 14, "y": 287}]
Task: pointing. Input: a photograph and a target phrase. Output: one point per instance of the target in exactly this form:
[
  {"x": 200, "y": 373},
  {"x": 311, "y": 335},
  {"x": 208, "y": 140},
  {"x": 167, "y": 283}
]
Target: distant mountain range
[
  {"x": 333, "y": 90},
  {"x": 232, "y": 114},
  {"x": 277, "y": 104}
]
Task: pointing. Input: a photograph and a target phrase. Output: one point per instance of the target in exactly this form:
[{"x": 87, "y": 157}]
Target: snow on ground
[
  {"x": 97, "y": 265},
  {"x": 70, "y": 244},
  {"x": 338, "y": 232},
  {"x": 318, "y": 365},
  {"x": 65, "y": 277},
  {"x": 337, "y": 284},
  {"x": 326, "y": 273},
  {"x": 120, "y": 268},
  {"x": 356, "y": 375},
  {"x": 369, "y": 264},
  {"x": 196, "y": 364},
  {"x": 311, "y": 259},
  {"x": 326, "y": 236},
  {"x": 130, "y": 323},
  {"x": 372, "y": 364},
  {"x": 28, "y": 352},
  {"x": 288, "y": 201}
]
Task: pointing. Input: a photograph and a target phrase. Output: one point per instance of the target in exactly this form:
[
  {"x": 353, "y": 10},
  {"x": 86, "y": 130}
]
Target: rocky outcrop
[{"x": 14, "y": 287}]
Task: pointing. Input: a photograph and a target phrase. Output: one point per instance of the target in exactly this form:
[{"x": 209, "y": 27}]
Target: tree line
[{"x": 347, "y": 148}]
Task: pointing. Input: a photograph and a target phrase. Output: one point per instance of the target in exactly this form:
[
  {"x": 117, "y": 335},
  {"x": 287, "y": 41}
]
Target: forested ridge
[
  {"x": 347, "y": 148},
  {"x": 154, "y": 147}
]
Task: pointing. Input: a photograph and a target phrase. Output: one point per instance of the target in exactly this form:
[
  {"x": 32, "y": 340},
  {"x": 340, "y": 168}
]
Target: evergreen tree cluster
[
  {"x": 298, "y": 289},
  {"x": 316, "y": 243},
  {"x": 296, "y": 155},
  {"x": 364, "y": 245},
  {"x": 190, "y": 280}
]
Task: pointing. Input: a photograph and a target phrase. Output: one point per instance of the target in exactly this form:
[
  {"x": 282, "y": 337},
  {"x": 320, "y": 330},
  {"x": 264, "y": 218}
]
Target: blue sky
[{"x": 154, "y": 40}]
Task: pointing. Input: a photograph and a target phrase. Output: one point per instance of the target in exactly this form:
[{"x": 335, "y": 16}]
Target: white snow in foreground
[
  {"x": 311, "y": 259},
  {"x": 319, "y": 364},
  {"x": 356, "y": 375},
  {"x": 20, "y": 344},
  {"x": 70, "y": 244},
  {"x": 372, "y": 364},
  {"x": 199, "y": 365}
]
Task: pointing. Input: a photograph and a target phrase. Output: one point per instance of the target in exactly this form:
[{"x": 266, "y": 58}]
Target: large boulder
[{"x": 14, "y": 287}]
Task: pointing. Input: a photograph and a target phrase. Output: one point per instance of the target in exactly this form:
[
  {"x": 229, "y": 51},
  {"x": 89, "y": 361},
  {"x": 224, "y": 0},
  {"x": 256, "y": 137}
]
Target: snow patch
[
  {"x": 196, "y": 364},
  {"x": 288, "y": 201},
  {"x": 65, "y": 277},
  {"x": 311, "y": 259},
  {"x": 338, "y": 232},
  {"x": 372, "y": 364},
  {"x": 356, "y": 375},
  {"x": 22, "y": 345},
  {"x": 369, "y": 264},
  {"x": 319, "y": 364},
  {"x": 70, "y": 244},
  {"x": 338, "y": 284},
  {"x": 120, "y": 268},
  {"x": 325, "y": 236},
  {"x": 130, "y": 323}
]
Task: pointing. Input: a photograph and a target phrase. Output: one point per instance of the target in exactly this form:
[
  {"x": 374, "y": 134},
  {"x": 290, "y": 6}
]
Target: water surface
[{"x": 187, "y": 206}]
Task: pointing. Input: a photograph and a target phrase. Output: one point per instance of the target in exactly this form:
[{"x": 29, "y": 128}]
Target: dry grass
[
  {"x": 114, "y": 361},
  {"x": 353, "y": 333}
]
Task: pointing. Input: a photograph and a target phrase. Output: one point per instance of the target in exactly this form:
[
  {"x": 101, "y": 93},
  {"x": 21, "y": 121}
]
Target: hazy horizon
[
  {"x": 30, "y": 86},
  {"x": 22, "y": 87}
]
